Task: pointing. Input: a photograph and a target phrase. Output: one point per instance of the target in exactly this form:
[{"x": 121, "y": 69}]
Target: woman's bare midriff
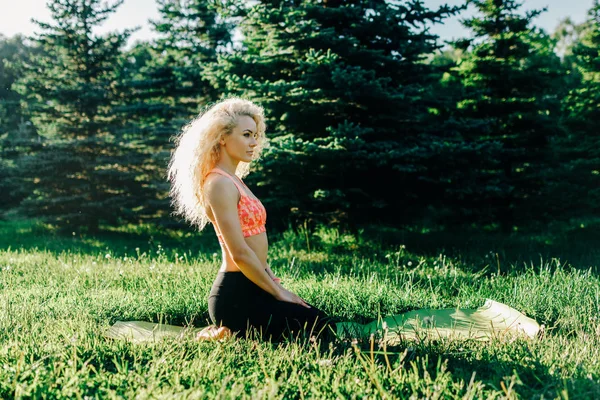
[{"x": 258, "y": 243}]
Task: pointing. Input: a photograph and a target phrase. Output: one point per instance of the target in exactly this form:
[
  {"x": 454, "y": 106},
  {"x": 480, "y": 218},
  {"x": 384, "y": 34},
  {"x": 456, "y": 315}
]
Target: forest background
[
  {"x": 402, "y": 173},
  {"x": 371, "y": 118}
]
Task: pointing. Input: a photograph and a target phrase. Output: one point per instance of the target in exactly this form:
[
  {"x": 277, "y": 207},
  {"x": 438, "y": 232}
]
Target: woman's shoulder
[{"x": 217, "y": 187}]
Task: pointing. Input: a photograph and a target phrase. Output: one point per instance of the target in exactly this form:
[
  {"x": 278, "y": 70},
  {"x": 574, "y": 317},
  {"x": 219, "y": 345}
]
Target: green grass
[{"x": 57, "y": 295}]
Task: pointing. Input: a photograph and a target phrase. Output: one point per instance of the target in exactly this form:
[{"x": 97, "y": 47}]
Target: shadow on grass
[
  {"x": 475, "y": 250},
  {"x": 578, "y": 247},
  {"x": 510, "y": 367},
  {"x": 122, "y": 241},
  {"x": 513, "y": 370}
]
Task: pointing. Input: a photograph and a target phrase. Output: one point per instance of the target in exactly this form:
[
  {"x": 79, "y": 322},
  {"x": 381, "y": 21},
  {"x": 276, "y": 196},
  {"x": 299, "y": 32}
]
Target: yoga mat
[
  {"x": 492, "y": 320},
  {"x": 142, "y": 331}
]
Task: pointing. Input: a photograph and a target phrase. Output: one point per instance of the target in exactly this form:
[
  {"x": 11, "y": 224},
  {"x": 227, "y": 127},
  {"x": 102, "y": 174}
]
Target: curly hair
[{"x": 197, "y": 152}]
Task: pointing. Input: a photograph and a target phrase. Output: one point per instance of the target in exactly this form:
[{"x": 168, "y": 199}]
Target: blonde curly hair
[{"x": 197, "y": 151}]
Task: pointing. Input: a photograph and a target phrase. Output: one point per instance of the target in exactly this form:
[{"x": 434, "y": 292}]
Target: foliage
[
  {"x": 85, "y": 171},
  {"x": 191, "y": 35},
  {"x": 369, "y": 118},
  {"x": 162, "y": 87},
  {"x": 12, "y": 52},
  {"x": 576, "y": 184},
  {"x": 15, "y": 127},
  {"x": 347, "y": 97},
  {"x": 512, "y": 83}
]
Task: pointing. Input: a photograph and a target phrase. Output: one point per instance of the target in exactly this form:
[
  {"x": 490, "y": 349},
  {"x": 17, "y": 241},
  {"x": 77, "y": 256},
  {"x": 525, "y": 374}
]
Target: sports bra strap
[{"x": 237, "y": 185}]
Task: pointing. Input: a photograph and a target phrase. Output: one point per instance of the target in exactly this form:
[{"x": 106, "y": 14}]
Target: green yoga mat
[{"x": 492, "y": 320}]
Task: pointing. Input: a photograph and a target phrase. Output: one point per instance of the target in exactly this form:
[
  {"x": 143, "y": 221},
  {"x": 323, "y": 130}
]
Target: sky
[{"x": 16, "y": 15}]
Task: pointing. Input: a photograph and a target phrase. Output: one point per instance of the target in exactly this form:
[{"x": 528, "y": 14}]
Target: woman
[{"x": 213, "y": 153}]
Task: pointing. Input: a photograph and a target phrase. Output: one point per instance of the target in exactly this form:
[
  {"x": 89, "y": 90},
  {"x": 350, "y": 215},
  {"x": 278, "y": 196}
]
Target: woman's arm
[
  {"x": 272, "y": 275},
  {"x": 222, "y": 196}
]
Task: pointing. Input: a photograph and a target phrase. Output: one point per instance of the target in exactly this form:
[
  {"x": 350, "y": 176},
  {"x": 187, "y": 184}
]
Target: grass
[{"x": 57, "y": 295}]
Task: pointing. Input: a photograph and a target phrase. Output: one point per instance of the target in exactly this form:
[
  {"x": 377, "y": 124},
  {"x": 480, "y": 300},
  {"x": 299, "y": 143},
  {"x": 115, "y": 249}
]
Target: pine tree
[
  {"x": 12, "y": 52},
  {"x": 512, "y": 82},
  {"x": 149, "y": 117},
  {"x": 347, "y": 95},
  {"x": 86, "y": 172},
  {"x": 191, "y": 35},
  {"x": 163, "y": 88},
  {"x": 15, "y": 127},
  {"x": 577, "y": 182}
]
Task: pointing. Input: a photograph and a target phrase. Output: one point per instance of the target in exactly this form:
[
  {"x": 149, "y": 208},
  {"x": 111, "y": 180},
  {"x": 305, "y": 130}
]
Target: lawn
[{"x": 59, "y": 293}]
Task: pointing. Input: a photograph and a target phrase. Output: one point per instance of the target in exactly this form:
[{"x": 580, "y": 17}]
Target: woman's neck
[{"x": 228, "y": 166}]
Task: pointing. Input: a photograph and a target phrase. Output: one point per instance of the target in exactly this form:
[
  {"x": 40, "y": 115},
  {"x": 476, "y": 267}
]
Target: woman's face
[{"x": 240, "y": 144}]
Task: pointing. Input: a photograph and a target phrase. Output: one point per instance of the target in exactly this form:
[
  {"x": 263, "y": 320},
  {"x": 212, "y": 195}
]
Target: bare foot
[{"x": 212, "y": 332}]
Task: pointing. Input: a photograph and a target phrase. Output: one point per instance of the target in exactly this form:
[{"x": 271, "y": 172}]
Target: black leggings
[{"x": 239, "y": 304}]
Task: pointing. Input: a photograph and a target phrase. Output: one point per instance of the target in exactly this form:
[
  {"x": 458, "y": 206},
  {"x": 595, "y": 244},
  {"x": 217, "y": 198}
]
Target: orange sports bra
[{"x": 251, "y": 212}]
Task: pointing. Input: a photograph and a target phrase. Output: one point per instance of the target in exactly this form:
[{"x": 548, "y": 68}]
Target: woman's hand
[{"x": 286, "y": 295}]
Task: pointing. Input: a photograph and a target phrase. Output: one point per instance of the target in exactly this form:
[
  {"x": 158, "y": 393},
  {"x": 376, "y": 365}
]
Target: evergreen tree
[
  {"x": 86, "y": 172},
  {"x": 348, "y": 100},
  {"x": 163, "y": 87},
  {"x": 511, "y": 98},
  {"x": 577, "y": 182},
  {"x": 15, "y": 127},
  {"x": 458, "y": 172},
  {"x": 191, "y": 35},
  {"x": 149, "y": 117},
  {"x": 567, "y": 35},
  {"x": 12, "y": 52}
]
